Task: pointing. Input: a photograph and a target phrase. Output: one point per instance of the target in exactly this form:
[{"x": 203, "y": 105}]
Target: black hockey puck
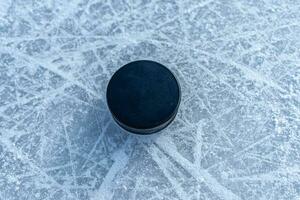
[{"x": 143, "y": 97}]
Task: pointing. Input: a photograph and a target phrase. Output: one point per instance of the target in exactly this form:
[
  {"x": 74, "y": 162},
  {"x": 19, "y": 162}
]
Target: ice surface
[{"x": 237, "y": 133}]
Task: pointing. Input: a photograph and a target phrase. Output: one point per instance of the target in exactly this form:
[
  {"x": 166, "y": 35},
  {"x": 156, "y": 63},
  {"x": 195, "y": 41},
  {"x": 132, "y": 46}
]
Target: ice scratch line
[
  {"x": 210, "y": 181},
  {"x": 120, "y": 161}
]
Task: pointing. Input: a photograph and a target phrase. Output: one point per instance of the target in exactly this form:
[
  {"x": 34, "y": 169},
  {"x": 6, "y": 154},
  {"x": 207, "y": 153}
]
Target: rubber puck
[{"x": 143, "y": 97}]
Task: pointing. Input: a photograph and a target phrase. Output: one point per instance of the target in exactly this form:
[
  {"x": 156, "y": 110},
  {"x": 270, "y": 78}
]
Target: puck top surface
[{"x": 143, "y": 95}]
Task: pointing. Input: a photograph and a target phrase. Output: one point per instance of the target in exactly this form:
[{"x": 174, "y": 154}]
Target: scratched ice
[{"x": 237, "y": 133}]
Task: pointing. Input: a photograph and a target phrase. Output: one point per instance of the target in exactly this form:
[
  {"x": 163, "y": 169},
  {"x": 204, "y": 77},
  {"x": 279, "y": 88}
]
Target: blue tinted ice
[{"x": 237, "y": 132}]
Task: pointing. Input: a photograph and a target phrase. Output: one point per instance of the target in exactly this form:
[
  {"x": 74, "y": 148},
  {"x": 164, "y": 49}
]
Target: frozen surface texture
[{"x": 237, "y": 133}]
